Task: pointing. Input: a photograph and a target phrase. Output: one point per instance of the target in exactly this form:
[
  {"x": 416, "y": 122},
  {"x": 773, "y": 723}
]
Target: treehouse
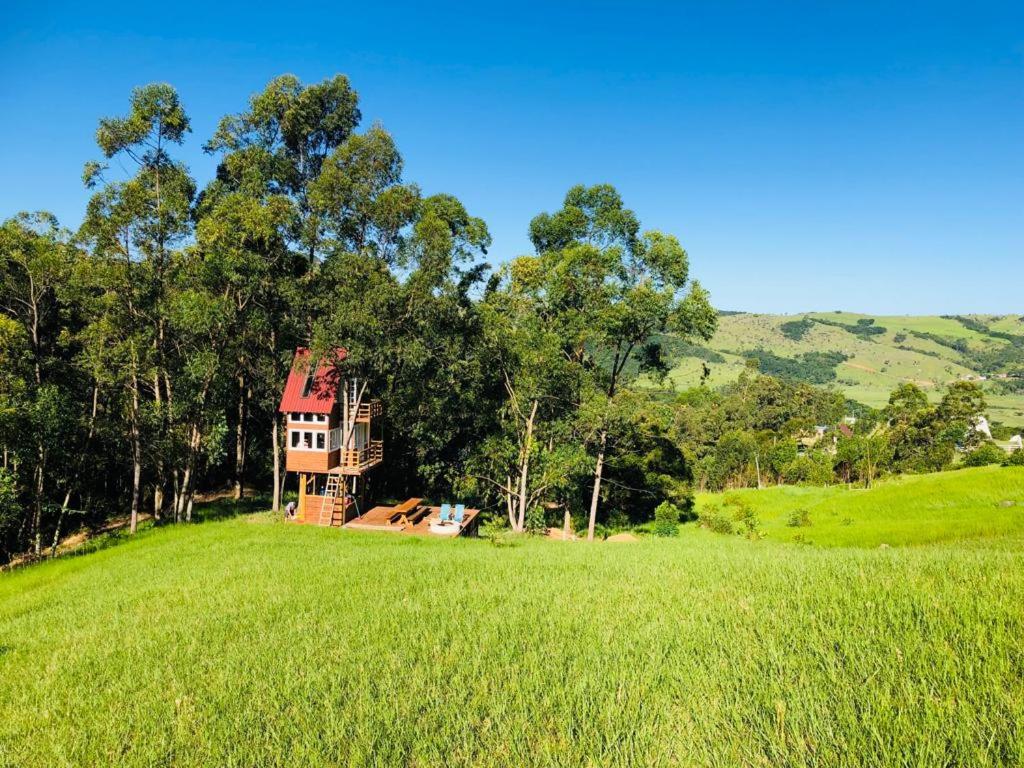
[{"x": 333, "y": 439}]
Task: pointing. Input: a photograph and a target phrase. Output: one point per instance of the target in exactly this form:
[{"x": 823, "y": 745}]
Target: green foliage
[
  {"x": 864, "y": 328},
  {"x": 743, "y": 514},
  {"x": 812, "y": 367},
  {"x": 795, "y": 330},
  {"x": 666, "y": 519},
  {"x": 712, "y": 518},
  {"x": 812, "y": 468},
  {"x": 1015, "y": 459},
  {"x": 799, "y": 518},
  {"x": 985, "y": 454}
]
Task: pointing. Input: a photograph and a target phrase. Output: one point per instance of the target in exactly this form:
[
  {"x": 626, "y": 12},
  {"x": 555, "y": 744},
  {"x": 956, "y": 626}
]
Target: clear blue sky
[{"x": 808, "y": 155}]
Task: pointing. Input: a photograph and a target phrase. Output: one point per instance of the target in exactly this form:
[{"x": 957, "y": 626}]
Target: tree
[
  {"x": 530, "y": 457},
  {"x": 35, "y": 264},
  {"x": 608, "y": 290},
  {"x": 132, "y": 225}
]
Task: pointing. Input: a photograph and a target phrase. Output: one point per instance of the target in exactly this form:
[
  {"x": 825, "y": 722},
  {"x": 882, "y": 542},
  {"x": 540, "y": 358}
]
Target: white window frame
[
  {"x": 308, "y": 418},
  {"x": 335, "y": 439},
  {"x": 312, "y": 435}
]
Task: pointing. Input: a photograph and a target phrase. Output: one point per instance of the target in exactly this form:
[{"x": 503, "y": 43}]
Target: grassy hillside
[
  {"x": 913, "y": 509},
  {"x": 248, "y": 642},
  {"x": 919, "y": 349}
]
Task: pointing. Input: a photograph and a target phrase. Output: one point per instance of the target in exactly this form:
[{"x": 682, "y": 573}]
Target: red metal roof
[{"x": 322, "y": 393}]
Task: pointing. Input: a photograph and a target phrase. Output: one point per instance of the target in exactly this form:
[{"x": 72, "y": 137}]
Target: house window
[
  {"x": 296, "y": 417},
  {"x": 335, "y": 438},
  {"x": 320, "y": 417},
  {"x": 307, "y": 417},
  {"x": 308, "y": 386},
  {"x": 306, "y": 440}
]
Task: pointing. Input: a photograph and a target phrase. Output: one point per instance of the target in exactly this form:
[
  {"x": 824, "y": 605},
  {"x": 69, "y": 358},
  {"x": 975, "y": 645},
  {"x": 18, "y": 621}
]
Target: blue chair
[
  {"x": 460, "y": 512},
  {"x": 446, "y": 512}
]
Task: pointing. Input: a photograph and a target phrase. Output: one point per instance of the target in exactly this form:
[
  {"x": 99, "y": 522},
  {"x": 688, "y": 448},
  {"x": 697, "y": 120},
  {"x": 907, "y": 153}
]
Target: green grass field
[
  {"x": 248, "y": 642},
  {"x": 964, "y": 504},
  {"x": 876, "y": 364}
]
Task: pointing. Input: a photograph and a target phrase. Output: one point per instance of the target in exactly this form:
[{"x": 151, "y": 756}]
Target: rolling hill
[{"x": 866, "y": 356}]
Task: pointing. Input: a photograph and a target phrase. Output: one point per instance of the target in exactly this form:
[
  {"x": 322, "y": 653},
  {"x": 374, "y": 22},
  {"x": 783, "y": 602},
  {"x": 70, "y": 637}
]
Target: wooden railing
[
  {"x": 370, "y": 410},
  {"x": 363, "y": 457}
]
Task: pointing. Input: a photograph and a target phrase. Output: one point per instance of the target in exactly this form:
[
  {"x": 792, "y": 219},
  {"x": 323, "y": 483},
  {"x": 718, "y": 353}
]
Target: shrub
[
  {"x": 536, "y": 521},
  {"x": 814, "y": 468},
  {"x": 666, "y": 519},
  {"x": 1015, "y": 459},
  {"x": 987, "y": 453},
  {"x": 799, "y": 518},
  {"x": 713, "y": 519},
  {"x": 743, "y": 514}
]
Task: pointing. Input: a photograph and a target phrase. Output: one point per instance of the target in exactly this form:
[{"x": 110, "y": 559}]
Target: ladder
[{"x": 330, "y": 497}]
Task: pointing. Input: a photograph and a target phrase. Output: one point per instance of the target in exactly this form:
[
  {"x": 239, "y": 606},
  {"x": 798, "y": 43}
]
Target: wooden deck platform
[{"x": 410, "y": 519}]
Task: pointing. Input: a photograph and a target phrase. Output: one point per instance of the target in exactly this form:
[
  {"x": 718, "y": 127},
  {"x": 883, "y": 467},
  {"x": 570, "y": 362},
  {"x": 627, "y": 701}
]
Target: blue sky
[{"x": 808, "y": 155}]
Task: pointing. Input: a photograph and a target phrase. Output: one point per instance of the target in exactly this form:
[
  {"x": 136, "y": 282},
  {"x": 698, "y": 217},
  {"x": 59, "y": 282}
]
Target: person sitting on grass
[{"x": 289, "y": 511}]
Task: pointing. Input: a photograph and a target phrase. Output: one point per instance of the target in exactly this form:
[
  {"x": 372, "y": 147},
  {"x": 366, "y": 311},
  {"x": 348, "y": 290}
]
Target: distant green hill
[{"x": 867, "y": 356}]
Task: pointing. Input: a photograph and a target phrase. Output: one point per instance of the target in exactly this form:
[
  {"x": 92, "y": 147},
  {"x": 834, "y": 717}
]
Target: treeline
[
  {"x": 761, "y": 430},
  {"x": 142, "y": 356}
]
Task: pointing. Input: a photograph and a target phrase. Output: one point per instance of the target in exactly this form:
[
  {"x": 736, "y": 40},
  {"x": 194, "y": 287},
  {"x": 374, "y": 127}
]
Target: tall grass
[{"x": 249, "y": 643}]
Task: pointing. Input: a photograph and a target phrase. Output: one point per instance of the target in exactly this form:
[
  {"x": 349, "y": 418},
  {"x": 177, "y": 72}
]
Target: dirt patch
[
  {"x": 559, "y": 534},
  {"x": 622, "y": 537},
  {"x": 861, "y": 367}
]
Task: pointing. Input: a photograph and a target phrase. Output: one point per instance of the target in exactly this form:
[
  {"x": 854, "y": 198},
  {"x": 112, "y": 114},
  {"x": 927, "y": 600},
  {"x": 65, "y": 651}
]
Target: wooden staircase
[{"x": 329, "y": 512}]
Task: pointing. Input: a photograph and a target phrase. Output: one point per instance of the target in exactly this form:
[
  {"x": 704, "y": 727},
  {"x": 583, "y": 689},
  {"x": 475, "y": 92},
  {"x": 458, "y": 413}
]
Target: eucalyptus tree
[
  {"x": 36, "y": 261},
  {"x": 532, "y": 457},
  {"x": 408, "y": 322},
  {"x": 133, "y": 223},
  {"x": 609, "y": 290},
  {"x": 288, "y": 131},
  {"x": 271, "y": 155}
]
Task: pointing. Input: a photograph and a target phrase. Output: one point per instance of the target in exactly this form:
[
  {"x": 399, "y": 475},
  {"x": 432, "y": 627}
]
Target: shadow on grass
[
  {"x": 224, "y": 509},
  {"x": 106, "y": 535}
]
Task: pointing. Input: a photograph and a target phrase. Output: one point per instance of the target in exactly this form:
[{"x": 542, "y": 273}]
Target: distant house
[
  {"x": 845, "y": 430},
  {"x": 981, "y": 425},
  {"x": 1016, "y": 443}
]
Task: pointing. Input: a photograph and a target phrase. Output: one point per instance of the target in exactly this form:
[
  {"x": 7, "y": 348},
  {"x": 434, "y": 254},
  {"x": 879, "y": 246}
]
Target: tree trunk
[
  {"x": 60, "y": 523},
  {"x": 240, "y": 437},
  {"x": 524, "y": 467},
  {"x": 510, "y": 502},
  {"x": 276, "y": 448},
  {"x": 37, "y": 513},
  {"x": 136, "y": 439},
  {"x": 598, "y": 469}
]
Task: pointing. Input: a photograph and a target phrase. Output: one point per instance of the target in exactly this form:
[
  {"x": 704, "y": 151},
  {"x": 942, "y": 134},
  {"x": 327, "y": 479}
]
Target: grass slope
[
  {"x": 913, "y": 509},
  {"x": 251, "y": 643},
  {"x": 876, "y": 364}
]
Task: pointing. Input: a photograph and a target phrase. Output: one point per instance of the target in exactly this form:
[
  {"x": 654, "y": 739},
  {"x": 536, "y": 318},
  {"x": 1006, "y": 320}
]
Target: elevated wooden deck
[{"x": 410, "y": 519}]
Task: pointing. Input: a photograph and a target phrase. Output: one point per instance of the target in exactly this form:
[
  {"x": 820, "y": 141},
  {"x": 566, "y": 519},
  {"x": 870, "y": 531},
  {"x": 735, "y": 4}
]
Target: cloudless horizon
[{"x": 808, "y": 156}]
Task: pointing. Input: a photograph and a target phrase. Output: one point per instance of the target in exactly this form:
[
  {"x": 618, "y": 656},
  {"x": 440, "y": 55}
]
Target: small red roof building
[{"x": 310, "y": 390}]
